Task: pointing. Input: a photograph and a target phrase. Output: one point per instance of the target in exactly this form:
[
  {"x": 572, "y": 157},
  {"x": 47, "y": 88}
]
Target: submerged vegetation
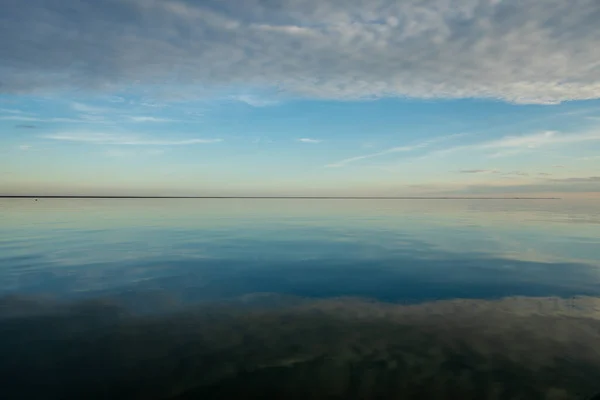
[{"x": 271, "y": 347}]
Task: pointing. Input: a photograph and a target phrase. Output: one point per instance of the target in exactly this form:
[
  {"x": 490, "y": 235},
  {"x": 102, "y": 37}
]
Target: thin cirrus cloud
[
  {"x": 127, "y": 153},
  {"x": 479, "y": 171},
  {"x": 335, "y": 49},
  {"x": 125, "y": 140},
  {"x": 86, "y": 108},
  {"x": 150, "y": 119},
  {"x": 12, "y": 111},
  {"x": 23, "y": 118},
  {"x": 513, "y": 145},
  {"x": 92, "y": 117},
  {"x": 255, "y": 101},
  {"x": 505, "y": 146},
  {"x": 397, "y": 149},
  {"x": 588, "y": 179},
  {"x": 309, "y": 140}
]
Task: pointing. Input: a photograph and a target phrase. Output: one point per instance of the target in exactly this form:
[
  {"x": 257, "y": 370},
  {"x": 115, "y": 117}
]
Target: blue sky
[{"x": 170, "y": 97}]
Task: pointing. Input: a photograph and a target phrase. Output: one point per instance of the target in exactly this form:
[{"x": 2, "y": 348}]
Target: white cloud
[
  {"x": 512, "y": 145},
  {"x": 479, "y": 171},
  {"x": 25, "y": 147},
  {"x": 133, "y": 140},
  {"x": 586, "y": 179},
  {"x": 255, "y": 101},
  {"x": 516, "y": 173},
  {"x": 149, "y": 119},
  {"x": 151, "y": 104},
  {"x": 12, "y": 111},
  {"x": 398, "y": 149},
  {"x": 519, "y": 51},
  {"x": 502, "y": 147},
  {"x": 309, "y": 140},
  {"x": 126, "y": 153},
  {"x": 40, "y": 119},
  {"x": 86, "y": 108},
  {"x": 116, "y": 99},
  {"x": 543, "y": 139}
]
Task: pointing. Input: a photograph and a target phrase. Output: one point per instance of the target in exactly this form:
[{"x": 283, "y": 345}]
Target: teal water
[
  {"x": 299, "y": 299},
  {"x": 391, "y": 250}
]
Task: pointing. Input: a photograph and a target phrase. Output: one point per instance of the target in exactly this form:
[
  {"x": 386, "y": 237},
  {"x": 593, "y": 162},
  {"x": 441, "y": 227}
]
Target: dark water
[{"x": 186, "y": 299}]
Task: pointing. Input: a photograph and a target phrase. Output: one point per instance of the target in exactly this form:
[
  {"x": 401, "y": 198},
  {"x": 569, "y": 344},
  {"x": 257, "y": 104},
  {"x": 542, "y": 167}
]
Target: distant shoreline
[{"x": 282, "y": 197}]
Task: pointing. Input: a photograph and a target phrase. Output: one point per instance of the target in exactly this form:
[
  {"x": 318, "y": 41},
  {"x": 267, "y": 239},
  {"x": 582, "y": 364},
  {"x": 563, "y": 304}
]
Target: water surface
[
  {"x": 292, "y": 299},
  {"x": 391, "y": 250}
]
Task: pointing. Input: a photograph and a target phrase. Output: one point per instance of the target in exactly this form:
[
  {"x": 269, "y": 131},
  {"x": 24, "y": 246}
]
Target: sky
[{"x": 300, "y": 98}]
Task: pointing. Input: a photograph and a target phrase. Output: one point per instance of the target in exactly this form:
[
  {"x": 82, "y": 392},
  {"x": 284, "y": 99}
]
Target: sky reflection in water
[{"x": 386, "y": 249}]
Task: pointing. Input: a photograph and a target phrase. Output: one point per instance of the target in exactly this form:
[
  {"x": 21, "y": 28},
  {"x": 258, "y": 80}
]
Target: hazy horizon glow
[{"x": 313, "y": 98}]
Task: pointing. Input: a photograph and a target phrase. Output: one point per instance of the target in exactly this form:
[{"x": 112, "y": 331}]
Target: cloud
[
  {"x": 86, "y": 108},
  {"x": 308, "y": 140},
  {"x": 116, "y": 99},
  {"x": 512, "y": 145},
  {"x": 255, "y": 101},
  {"x": 40, "y": 119},
  {"x": 151, "y": 104},
  {"x": 25, "y": 126},
  {"x": 12, "y": 111},
  {"x": 130, "y": 140},
  {"x": 531, "y": 188},
  {"x": 122, "y": 153},
  {"x": 25, "y": 147},
  {"x": 397, "y": 149},
  {"x": 542, "y": 139},
  {"x": 501, "y": 147},
  {"x": 524, "y": 52},
  {"x": 149, "y": 119},
  {"x": 478, "y": 171},
  {"x": 578, "y": 180},
  {"x": 517, "y": 173},
  {"x": 91, "y": 117}
]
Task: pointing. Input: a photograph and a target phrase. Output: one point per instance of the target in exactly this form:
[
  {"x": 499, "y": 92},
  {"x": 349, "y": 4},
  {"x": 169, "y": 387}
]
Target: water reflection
[
  {"x": 158, "y": 299},
  {"x": 389, "y": 250},
  {"x": 283, "y": 347}
]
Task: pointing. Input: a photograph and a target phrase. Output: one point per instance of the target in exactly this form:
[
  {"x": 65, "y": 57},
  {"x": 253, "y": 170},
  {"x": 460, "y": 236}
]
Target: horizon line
[{"x": 285, "y": 197}]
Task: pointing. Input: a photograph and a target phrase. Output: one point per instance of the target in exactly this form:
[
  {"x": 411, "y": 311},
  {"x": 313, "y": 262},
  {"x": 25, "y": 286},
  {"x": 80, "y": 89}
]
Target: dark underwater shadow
[{"x": 276, "y": 347}]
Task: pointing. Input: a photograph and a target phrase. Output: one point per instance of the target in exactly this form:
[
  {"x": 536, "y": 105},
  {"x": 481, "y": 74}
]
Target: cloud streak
[
  {"x": 23, "y": 118},
  {"x": 142, "y": 119},
  {"x": 255, "y": 101},
  {"x": 523, "y": 52},
  {"x": 512, "y": 145},
  {"x": 502, "y": 147},
  {"x": 588, "y": 179},
  {"x": 478, "y": 171},
  {"x": 309, "y": 140},
  {"x": 86, "y": 108},
  {"x": 397, "y": 149},
  {"x": 112, "y": 139}
]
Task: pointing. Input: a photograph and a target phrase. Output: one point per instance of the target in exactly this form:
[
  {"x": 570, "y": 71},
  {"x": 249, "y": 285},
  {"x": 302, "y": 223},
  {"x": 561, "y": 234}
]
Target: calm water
[
  {"x": 261, "y": 299},
  {"x": 391, "y": 250}
]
